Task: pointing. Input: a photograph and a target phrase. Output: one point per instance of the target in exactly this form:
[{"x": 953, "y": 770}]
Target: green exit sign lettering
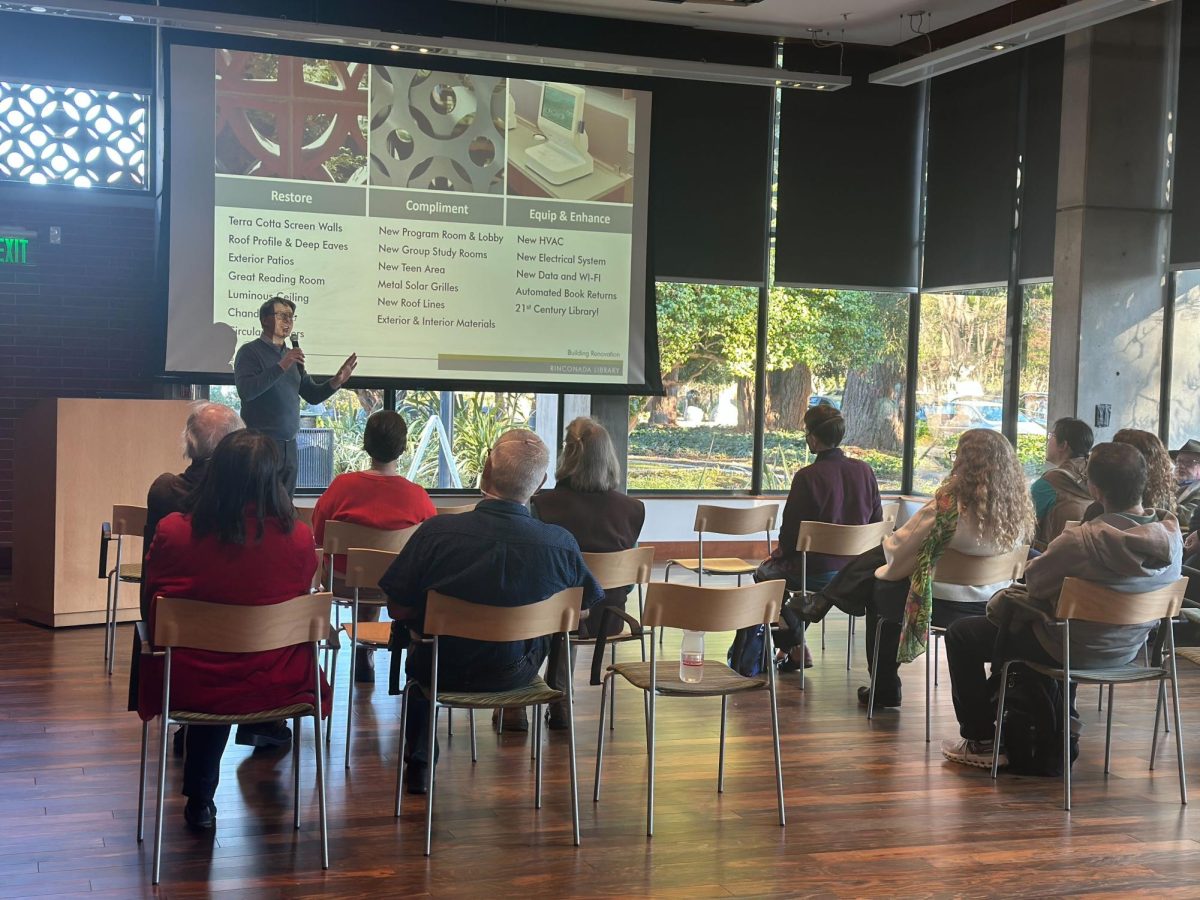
[{"x": 14, "y": 251}]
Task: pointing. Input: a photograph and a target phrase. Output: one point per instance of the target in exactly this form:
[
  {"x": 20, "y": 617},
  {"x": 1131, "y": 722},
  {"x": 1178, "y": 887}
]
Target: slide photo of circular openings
[
  {"x": 440, "y": 131},
  {"x": 570, "y": 142},
  {"x": 291, "y": 117}
]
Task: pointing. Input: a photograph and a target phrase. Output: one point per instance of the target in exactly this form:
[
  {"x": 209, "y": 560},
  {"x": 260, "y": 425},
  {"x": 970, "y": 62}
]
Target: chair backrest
[
  {"x": 304, "y": 514},
  {"x": 454, "y": 510},
  {"x": 452, "y": 617},
  {"x": 364, "y": 568},
  {"x": 736, "y": 520},
  {"x": 841, "y": 540},
  {"x": 622, "y": 567},
  {"x": 341, "y": 536},
  {"x": 962, "y": 568},
  {"x": 713, "y": 608},
  {"x": 1092, "y": 602},
  {"x": 129, "y": 520},
  {"x": 229, "y": 628}
]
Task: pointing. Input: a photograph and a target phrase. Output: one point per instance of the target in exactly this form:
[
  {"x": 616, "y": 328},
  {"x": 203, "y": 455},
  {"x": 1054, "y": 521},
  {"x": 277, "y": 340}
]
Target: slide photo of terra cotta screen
[
  {"x": 437, "y": 131},
  {"x": 570, "y": 142},
  {"x": 291, "y": 117}
]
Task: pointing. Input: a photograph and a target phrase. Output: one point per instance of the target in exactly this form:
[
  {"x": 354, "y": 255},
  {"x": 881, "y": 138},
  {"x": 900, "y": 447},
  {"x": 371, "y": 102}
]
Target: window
[
  {"x": 1035, "y": 378},
  {"x": 71, "y": 135},
  {"x": 846, "y": 349},
  {"x": 700, "y": 436},
  {"x": 1185, "y": 362},
  {"x": 960, "y": 376}
]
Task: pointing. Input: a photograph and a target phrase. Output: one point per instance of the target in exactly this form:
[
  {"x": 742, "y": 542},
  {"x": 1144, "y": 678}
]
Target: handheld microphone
[{"x": 296, "y": 346}]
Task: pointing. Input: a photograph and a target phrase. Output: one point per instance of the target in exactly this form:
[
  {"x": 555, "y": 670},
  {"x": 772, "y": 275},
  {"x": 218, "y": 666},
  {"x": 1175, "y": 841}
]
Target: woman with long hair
[
  {"x": 240, "y": 544},
  {"x": 1160, "y": 480},
  {"x": 982, "y": 508}
]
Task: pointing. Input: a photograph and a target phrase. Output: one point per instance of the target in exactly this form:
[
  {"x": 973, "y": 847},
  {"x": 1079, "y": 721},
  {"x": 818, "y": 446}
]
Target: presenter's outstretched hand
[
  {"x": 293, "y": 356},
  {"x": 345, "y": 371}
]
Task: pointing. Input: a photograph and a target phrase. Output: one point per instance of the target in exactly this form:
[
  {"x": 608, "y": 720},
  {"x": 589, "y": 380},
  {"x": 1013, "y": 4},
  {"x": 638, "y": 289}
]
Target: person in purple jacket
[{"x": 833, "y": 488}]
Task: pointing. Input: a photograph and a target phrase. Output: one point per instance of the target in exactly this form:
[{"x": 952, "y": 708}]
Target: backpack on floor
[
  {"x": 746, "y": 652},
  {"x": 1033, "y": 723}
]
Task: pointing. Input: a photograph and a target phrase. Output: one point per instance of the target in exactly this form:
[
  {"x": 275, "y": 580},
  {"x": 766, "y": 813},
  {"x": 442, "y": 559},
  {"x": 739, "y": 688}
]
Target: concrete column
[{"x": 1113, "y": 220}]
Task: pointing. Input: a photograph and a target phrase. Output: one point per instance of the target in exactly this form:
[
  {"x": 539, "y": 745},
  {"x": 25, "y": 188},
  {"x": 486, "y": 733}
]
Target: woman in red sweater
[
  {"x": 241, "y": 544},
  {"x": 379, "y": 497}
]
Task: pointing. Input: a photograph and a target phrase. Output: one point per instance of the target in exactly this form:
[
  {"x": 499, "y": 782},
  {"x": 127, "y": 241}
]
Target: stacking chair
[
  {"x": 955, "y": 568},
  {"x": 1086, "y": 601},
  {"x": 455, "y": 509},
  {"x": 727, "y": 520},
  {"x": 127, "y": 521},
  {"x": 836, "y": 540},
  {"x": 452, "y": 617},
  {"x": 700, "y": 609},
  {"x": 364, "y": 568},
  {"x": 225, "y": 628},
  {"x": 615, "y": 570}
]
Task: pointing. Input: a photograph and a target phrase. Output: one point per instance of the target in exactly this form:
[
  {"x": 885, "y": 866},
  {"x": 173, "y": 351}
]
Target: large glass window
[
  {"x": 960, "y": 376},
  {"x": 1185, "y": 361},
  {"x": 1035, "y": 377},
  {"x": 700, "y": 436},
  {"x": 846, "y": 349}
]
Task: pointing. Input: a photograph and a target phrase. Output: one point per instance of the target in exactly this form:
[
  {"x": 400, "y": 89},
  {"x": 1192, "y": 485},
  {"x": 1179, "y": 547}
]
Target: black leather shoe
[
  {"x": 415, "y": 781},
  {"x": 264, "y": 735},
  {"x": 364, "y": 666},
  {"x": 556, "y": 716},
  {"x": 789, "y": 663},
  {"x": 881, "y": 699},
  {"x": 812, "y": 607},
  {"x": 200, "y": 815},
  {"x": 514, "y": 719}
]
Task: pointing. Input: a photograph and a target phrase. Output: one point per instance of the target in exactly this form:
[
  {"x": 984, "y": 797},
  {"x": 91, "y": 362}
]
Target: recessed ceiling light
[
  {"x": 422, "y": 49},
  {"x": 37, "y": 9},
  {"x": 125, "y": 18},
  {"x": 999, "y": 47},
  {"x": 395, "y": 46}
]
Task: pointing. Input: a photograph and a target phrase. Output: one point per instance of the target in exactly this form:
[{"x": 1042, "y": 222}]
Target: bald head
[
  {"x": 516, "y": 467},
  {"x": 208, "y": 423}
]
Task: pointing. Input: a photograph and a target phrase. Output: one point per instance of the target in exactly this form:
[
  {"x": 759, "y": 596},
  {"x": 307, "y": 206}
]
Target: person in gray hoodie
[{"x": 1128, "y": 548}]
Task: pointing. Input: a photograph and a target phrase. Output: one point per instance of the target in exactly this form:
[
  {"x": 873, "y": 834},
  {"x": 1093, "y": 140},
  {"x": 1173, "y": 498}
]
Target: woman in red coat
[{"x": 242, "y": 545}]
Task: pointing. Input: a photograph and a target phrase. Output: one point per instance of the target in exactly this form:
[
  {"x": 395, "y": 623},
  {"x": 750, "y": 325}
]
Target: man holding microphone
[{"x": 270, "y": 381}]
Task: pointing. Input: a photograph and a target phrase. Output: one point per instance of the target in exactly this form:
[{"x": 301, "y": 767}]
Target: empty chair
[
  {"x": 700, "y": 609},
  {"x": 127, "y": 522},
  {"x": 727, "y": 520}
]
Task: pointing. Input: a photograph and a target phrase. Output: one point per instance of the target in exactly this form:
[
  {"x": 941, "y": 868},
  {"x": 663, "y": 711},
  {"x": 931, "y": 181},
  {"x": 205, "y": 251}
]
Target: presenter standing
[{"x": 270, "y": 381}]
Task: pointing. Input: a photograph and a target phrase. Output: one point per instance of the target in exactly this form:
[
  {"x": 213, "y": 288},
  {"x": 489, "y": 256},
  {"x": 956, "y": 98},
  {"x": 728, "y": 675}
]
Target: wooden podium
[{"x": 76, "y": 459}]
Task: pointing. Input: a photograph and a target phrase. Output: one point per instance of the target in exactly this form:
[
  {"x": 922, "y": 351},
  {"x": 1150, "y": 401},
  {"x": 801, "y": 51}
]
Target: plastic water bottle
[{"x": 691, "y": 657}]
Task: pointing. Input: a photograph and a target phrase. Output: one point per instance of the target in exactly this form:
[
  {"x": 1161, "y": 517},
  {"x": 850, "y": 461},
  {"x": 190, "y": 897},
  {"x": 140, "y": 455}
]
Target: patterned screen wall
[{"x": 67, "y": 135}]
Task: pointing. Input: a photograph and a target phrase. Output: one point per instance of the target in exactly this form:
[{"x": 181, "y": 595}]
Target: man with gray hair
[{"x": 498, "y": 555}]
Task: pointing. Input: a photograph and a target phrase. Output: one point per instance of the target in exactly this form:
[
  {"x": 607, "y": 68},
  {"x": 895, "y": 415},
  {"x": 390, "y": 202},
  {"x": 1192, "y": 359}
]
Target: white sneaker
[{"x": 971, "y": 753}]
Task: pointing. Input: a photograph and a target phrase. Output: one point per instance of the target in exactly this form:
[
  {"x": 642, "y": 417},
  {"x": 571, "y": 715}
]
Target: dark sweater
[
  {"x": 836, "y": 489},
  {"x": 270, "y": 394}
]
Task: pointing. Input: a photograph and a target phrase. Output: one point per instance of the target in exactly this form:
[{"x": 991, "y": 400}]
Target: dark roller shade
[
  {"x": 1044, "y": 120},
  {"x": 972, "y": 173},
  {"x": 709, "y": 175},
  {"x": 849, "y": 178},
  {"x": 76, "y": 52},
  {"x": 1185, "y": 222}
]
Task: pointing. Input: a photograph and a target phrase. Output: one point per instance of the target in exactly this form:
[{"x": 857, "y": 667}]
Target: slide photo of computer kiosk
[{"x": 570, "y": 142}]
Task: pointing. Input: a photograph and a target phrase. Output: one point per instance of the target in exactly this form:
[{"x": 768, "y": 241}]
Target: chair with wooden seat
[
  {"x": 127, "y": 522},
  {"x": 1085, "y": 601},
  {"x": 727, "y": 520},
  {"x": 227, "y": 628},
  {"x": 620, "y": 569},
  {"x": 954, "y": 567},
  {"x": 835, "y": 540},
  {"x": 451, "y": 617},
  {"x": 706, "y": 609}
]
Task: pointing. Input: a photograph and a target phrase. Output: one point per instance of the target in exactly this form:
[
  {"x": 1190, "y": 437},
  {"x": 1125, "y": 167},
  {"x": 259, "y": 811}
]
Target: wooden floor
[{"x": 872, "y": 809}]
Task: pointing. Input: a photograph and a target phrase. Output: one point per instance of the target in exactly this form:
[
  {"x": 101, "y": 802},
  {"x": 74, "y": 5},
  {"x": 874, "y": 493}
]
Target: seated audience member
[
  {"x": 1127, "y": 547},
  {"x": 1160, "y": 471},
  {"x": 833, "y": 488},
  {"x": 1061, "y": 494},
  {"x": 981, "y": 509},
  {"x": 498, "y": 555},
  {"x": 239, "y": 544},
  {"x": 587, "y": 501},
  {"x": 378, "y": 497},
  {"x": 1187, "y": 475}
]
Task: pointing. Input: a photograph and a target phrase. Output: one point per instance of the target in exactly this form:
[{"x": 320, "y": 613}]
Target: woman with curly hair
[
  {"x": 1160, "y": 480},
  {"x": 981, "y": 509}
]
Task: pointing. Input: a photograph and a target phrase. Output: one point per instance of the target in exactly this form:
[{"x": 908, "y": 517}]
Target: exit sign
[{"x": 14, "y": 251}]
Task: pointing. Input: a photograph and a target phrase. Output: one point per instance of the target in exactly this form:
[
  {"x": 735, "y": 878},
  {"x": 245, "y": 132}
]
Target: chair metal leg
[
  {"x": 650, "y": 750},
  {"x": 332, "y": 688},
  {"x": 450, "y": 721},
  {"x": 108, "y": 615},
  {"x": 999, "y": 721},
  {"x": 928, "y": 686},
  {"x": 606, "y": 685},
  {"x": 1178, "y": 723},
  {"x": 1158, "y": 712},
  {"x": 317, "y": 752},
  {"x": 1100, "y": 700},
  {"x": 771, "y": 692},
  {"x": 141, "y": 823},
  {"x": 296, "y": 771},
  {"x": 822, "y": 635},
  {"x": 851, "y": 622},
  {"x": 162, "y": 767},
  {"x": 612, "y": 707},
  {"x": 937, "y": 643},
  {"x": 400, "y": 751},
  {"x": 537, "y": 761},
  {"x": 537, "y": 731},
  {"x": 721, "y": 756},
  {"x": 803, "y": 648},
  {"x": 874, "y": 670},
  {"x": 353, "y": 665},
  {"x": 430, "y": 749},
  {"x": 1107, "y": 730},
  {"x": 471, "y": 723},
  {"x": 571, "y": 750}
]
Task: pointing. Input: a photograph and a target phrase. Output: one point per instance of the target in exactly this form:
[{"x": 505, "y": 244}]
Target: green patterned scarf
[{"x": 919, "y": 607}]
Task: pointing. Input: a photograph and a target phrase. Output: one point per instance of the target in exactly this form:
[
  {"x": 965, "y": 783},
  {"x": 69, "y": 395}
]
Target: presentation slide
[{"x": 443, "y": 226}]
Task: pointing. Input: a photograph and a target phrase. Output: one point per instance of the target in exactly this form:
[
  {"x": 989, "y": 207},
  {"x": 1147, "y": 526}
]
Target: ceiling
[{"x": 880, "y": 22}]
